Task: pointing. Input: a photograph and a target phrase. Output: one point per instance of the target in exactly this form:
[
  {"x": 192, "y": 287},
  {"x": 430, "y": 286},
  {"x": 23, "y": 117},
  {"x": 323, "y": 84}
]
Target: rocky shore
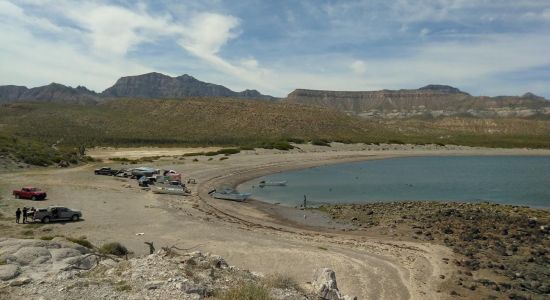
[
  {"x": 502, "y": 250},
  {"x": 61, "y": 269}
]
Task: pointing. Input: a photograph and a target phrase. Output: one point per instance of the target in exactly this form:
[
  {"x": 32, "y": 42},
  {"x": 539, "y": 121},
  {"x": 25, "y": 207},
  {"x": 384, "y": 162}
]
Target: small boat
[
  {"x": 230, "y": 194},
  {"x": 272, "y": 183},
  {"x": 171, "y": 189}
]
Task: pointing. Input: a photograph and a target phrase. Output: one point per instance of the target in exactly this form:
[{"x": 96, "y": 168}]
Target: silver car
[{"x": 56, "y": 213}]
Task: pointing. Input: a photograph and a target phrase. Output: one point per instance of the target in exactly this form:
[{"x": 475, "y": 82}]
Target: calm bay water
[{"x": 521, "y": 180}]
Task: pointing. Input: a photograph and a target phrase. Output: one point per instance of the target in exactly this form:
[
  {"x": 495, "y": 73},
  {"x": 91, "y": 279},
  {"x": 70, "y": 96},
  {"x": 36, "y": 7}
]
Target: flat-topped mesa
[
  {"x": 432, "y": 99},
  {"x": 442, "y": 88}
]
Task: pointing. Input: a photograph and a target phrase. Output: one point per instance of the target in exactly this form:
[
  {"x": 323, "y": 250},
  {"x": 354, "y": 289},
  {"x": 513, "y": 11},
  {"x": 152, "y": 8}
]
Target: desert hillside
[{"x": 431, "y": 100}]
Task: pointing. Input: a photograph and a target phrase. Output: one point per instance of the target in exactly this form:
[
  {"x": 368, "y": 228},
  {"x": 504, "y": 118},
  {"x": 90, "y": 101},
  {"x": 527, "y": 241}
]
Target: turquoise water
[{"x": 523, "y": 180}]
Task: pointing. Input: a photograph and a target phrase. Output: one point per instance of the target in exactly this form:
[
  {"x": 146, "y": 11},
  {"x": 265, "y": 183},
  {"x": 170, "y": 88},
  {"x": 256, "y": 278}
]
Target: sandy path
[
  {"x": 246, "y": 234},
  {"x": 133, "y": 153}
]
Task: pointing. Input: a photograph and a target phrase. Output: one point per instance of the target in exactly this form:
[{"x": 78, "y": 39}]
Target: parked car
[
  {"x": 124, "y": 173},
  {"x": 105, "y": 171},
  {"x": 56, "y": 213},
  {"x": 144, "y": 171},
  {"x": 30, "y": 193},
  {"x": 145, "y": 181}
]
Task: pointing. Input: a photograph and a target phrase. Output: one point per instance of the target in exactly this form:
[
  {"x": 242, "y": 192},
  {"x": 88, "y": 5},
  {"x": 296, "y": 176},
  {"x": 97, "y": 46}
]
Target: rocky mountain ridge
[
  {"x": 431, "y": 101},
  {"x": 150, "y": 85},
  {"x": 53, "y": 92},
  {"x": 157, "y": 85}
]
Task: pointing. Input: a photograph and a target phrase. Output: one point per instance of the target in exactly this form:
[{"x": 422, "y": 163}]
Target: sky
[{"x": 484, "y": 47}]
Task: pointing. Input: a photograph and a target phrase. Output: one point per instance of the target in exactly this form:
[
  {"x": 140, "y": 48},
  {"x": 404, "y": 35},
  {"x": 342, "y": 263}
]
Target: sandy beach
[{"x": 254, "y": 235}]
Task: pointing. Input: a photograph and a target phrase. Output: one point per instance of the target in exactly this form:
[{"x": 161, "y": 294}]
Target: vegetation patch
[
  {"x": 281, "y": 281},
  {"x": 44, "y": 134},
  {"x": 321, "y": 142},
  {"x": 27, "y": 232},
  {"x": 82, "y": 241},
  {"x": 245, "y": 291},
  {"x": 114, "y": 248}
]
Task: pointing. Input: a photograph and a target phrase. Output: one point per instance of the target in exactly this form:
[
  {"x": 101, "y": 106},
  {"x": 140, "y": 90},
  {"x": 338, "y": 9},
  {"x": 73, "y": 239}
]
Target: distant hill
[
  {"x": 431, "y": 100},
  {"x": 160, "y": 86},
  {"x": 150, "y": 85},
  {"x": 222, "y": 121},
  {"x": 218, "y": 121},
  {"x": 53, "y": 92}
]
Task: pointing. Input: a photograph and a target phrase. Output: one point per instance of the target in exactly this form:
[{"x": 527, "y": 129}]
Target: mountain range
[
  {"x": 431, "y": 101},
  {"x": 428, "y": 101},
  {"x": 151, "y": 85}
]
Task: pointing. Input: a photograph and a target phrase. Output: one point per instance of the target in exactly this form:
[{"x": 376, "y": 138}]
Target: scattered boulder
[
  {"x": 325, "y": 286},
  {"x": 20, "y": 281},
  {"x": 9, "y": 271},
  {"x": 32, "y": 256},
  {"x": 153, "y": 285}
]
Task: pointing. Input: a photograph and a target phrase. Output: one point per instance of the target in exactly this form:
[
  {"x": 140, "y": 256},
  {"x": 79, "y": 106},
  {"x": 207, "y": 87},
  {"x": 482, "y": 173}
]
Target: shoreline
[
  {"x": 474, "y": 273},
  {"x": 280, "y": 214},
  {"x": 249, "y": 235}
]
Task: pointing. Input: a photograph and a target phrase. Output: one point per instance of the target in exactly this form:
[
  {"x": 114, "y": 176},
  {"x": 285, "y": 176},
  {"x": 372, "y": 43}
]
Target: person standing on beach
[
  {"x": 25, "y": 209},
  {"x": 17, "y": 215}
]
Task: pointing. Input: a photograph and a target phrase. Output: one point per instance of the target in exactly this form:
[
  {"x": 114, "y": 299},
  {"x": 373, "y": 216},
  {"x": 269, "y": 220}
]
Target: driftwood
[
  {"x": 151, "y": 247},
  {"x": 172, "y": 249}
]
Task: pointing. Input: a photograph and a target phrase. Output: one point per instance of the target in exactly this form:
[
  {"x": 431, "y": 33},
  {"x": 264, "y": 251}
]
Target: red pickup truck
[{"x": 30, "y": 193}]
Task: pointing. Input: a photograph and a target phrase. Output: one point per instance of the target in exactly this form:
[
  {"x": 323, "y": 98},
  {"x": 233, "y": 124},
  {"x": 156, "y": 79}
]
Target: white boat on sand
[
  {"x": 170, "y": 189},
  {"x": 230, "y": 194}
]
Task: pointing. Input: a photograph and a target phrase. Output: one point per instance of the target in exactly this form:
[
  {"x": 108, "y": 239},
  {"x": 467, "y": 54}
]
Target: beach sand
[{"x": 256, "y": 236}]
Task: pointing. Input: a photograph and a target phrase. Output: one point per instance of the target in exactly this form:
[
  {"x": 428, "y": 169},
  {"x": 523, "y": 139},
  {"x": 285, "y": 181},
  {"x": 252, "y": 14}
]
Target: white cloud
[
  {"x": 27, "y": 59},
  {"x": 208, "y": 32},
  {"x": 115, "y": 30},
  {"x": 250, "y": 63},
  {"x": 424, "y": 32},
  {"x": 111, "y": 32},
  {"x": 13, "y": 13},
  {"x": 93, "y": 43},
  {"x": 358, "y": 67}
]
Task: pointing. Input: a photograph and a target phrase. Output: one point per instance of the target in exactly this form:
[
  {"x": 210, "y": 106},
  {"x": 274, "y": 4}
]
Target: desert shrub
[
  {"x": 122, "y": 159},
  {"x": 114, "y": 248},
  {"x": 282, "y": 146},
  {"x": 295, "y": 140},
  {"x": 229, "y": 151},
  {"x": 122, "y": 286},
  {"x": 400, "y": 142},
  {"x": 344, "y": 141},
  {"x": 281, "y": 281},
  {"x": 321, "y": 142},
  {"x": 245, "y": 291},
  {"x": 82, "y": 241},
  {"x": 279, "y": 145}
]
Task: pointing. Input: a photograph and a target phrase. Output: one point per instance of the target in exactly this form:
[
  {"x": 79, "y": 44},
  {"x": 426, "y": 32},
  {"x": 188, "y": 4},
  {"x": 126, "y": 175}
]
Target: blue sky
[{"x": 485, "y": 47}]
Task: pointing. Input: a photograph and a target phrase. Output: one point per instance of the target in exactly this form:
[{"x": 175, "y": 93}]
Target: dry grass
[{"x": 245, "y": 291}]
